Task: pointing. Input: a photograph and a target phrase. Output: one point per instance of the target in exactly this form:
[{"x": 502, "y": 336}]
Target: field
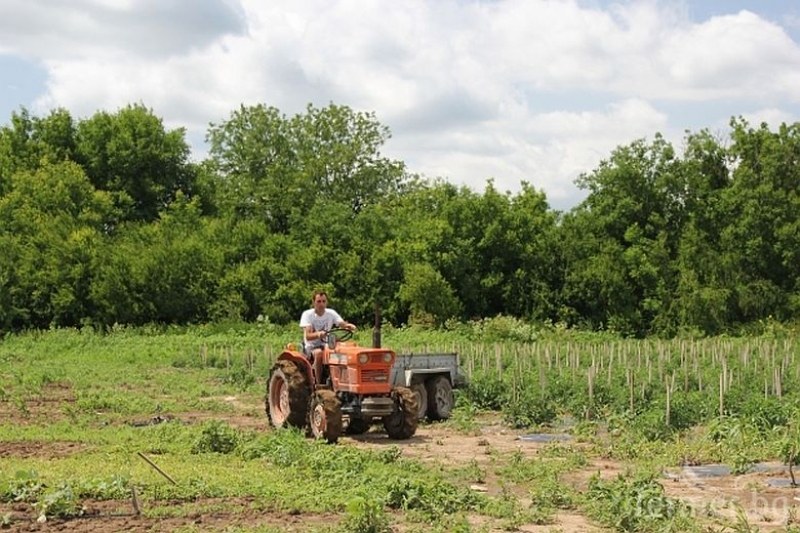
[{"x": 164, "y": 430}]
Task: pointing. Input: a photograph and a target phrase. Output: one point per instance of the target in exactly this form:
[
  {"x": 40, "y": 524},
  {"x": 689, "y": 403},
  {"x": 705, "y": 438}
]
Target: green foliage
[
  {"x": 432, "y": 497},
  {"x": 117, "y": 487},
  {"x": 241, "y": 377},
  {"x": 550, "y": 493},
  {"x": 487, "y": 391},
  {"x": 131, "y": 155},
  {"x": 429, "y": 296},
  {"x": 51, "y": 224},
  {"x": 63, "y": 499},
  {"x": 60, "y": 502},
  {"x": 364, "y": 515},
  {"x": 113, "y": 384},
  {"x": 216, "y": 437},
  {"x": 25, "y": 486},
  {"x": 508, "y": 507},
  {"x": 503, "y": 328},
  {"x": 636, "y": 505},
  {"x": 463, "y": 417},
  {"x": 104, "y": 221},
  {"x": 288, "y": 447},
  {"x": 277, "y": 169},
  {"x": 528, "y": 407}
]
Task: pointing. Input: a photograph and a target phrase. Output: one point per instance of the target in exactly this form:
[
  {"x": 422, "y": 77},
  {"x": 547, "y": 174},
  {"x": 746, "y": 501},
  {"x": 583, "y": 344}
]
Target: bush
[
  {"x": 487, "y": 391},
  {"x": 216, "y": 437},
  {"x": 365, "y": 516},
  {"x": 636, "y": 505},
  {"x": 528, "y": 407}
]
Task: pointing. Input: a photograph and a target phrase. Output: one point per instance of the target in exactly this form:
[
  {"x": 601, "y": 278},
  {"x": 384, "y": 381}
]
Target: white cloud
[
  {"x": 112, "y": 29},
  {"x": 771, "y": 116},
  {"x": 535, "y": 90},
  {"x": 733, "y": 56},
  {"x": 548, "y": 150}
]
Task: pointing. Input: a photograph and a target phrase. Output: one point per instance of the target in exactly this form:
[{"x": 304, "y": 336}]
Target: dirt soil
[{"x": 713, "y": 499}]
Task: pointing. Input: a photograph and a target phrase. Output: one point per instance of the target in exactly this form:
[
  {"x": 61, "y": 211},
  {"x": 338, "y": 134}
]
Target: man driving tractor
[
  {"x": 333, "y": 380},
  {"x": 316, "y": 323}
]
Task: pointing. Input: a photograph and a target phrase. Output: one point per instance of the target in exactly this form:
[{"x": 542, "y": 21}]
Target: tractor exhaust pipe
[{"x": 376, "y": 329}]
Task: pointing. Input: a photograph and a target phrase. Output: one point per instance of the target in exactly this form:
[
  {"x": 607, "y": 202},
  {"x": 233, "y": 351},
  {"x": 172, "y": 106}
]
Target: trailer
[{"x": 432, "y": 377}]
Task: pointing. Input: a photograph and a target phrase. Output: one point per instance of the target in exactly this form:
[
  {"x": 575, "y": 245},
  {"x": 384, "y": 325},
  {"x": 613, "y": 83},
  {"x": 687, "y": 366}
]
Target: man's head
[{"x": 319, "y": 301}]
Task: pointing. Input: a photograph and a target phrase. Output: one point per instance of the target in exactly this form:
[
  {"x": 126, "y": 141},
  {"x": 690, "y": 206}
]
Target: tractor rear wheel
[
  {"x": 440, "y": 396},
  {"x": 421, "y": 394},
  {"x": 287, "y": 395},
  {"x": 402, "y": 423},
  {"x": 325, "y": 416}
]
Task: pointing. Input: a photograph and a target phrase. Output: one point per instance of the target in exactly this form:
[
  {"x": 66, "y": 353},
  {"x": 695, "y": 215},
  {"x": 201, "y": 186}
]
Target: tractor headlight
[
  {"x": 387, "y": 357},
  {"x": 363, "y": 358}
]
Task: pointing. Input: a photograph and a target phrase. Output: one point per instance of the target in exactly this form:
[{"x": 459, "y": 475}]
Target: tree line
[{"x": 107, "y": 220}]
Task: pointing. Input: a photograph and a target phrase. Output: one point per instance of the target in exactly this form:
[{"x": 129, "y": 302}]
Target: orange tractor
[{"x": 353, "y": 390}]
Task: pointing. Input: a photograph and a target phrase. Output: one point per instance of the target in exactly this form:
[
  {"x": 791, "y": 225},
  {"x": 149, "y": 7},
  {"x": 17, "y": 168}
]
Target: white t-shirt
[{"x": 326, "y": 322}]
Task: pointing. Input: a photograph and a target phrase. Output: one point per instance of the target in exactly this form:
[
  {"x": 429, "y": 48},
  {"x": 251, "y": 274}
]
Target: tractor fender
[{"x": 300, "y": 360}]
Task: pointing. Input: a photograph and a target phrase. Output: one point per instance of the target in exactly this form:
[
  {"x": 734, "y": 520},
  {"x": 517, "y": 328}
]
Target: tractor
[{"x": 353, "y": 390}]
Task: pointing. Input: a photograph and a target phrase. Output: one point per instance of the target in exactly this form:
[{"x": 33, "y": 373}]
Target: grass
[
  {"x": 89, "y": 402},
  {"x": 80, "y": 387}
]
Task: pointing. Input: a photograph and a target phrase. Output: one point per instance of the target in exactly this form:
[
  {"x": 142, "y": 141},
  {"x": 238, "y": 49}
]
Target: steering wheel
[{"x": 334, "y": 335}]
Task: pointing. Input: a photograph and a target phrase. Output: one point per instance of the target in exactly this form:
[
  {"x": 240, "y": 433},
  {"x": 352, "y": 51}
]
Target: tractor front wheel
[
  {"x": 357, "y": 426},
  {"x": 402, "y": 423},
  {"x": 287, "y": 395},
  {"x": 325, "y": 416}
]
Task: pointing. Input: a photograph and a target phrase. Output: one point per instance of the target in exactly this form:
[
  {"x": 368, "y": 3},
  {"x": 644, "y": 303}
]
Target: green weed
[
  {"x": 637, "y": 504},
  {"x": 216, "y": 437},
  {"x": 550, "y": 493},
  {"x": 25, "y": 486},
  {"x": 60, "y": 502},
  {"x": 432, "y": 497},
  {"x": 363, "y": 515}
]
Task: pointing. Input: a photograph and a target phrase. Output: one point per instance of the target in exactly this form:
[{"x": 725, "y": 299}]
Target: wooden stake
[
  {"x": 135, "y": 501},
  {"x": 630, "y": 387},
  {"x": 669, "y": 398},
  {"x": 542, "y": 379},
  {"x": 151, "y": 463},
  {"x": 591, "y": 391}
]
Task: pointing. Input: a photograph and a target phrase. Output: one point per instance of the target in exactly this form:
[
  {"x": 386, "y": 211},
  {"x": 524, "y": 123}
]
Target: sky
[{"x": 536, "y": 91}]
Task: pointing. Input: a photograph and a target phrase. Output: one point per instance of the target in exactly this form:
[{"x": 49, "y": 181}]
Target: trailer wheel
[
  {"x": 440, "y": 398},
  {"x": 421, "y": 393}
]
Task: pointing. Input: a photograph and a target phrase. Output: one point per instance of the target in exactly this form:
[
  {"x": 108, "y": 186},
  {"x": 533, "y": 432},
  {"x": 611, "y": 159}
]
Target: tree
[
  {"x": 51, "y": 225},
  {"x": 428, "y": 295},
  {"x": 700, "y": 296},
  {"x": 277, "y": 169},
  {"x": 163, "y": 271},
  {"x": 30, "y": 142},
  {"x": 621, "y": 239},
  {"x": 131, "y": 155},
  {"x": 761, "y": 239}
]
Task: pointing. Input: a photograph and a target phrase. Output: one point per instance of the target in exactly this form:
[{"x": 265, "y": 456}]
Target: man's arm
[
  {"x": 346, "y": 325},
  {"x": 310, "y": 335},
  {"x": 340, "y": 322}
]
